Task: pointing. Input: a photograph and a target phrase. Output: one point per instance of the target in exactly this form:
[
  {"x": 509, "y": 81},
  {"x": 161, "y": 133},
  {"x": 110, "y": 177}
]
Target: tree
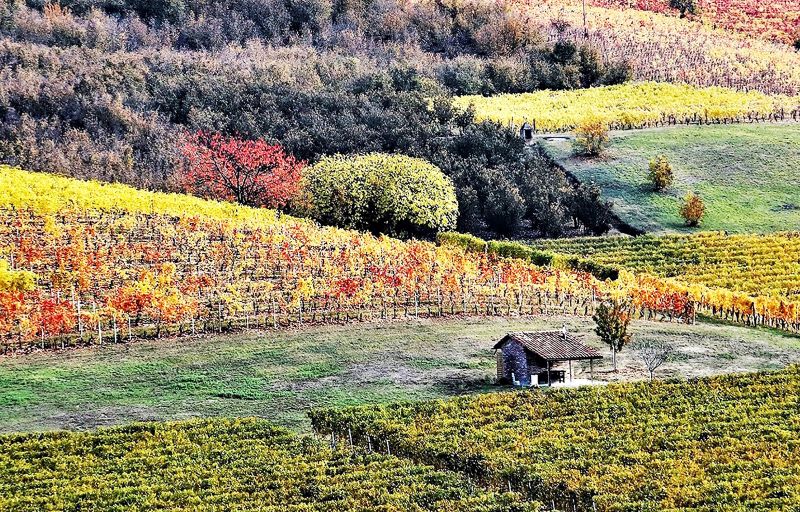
[
  {"x": 591, "y": 137},
  {"x": 504, "y": 208},
  {"x": 589, "y": 208},
  {"x": 391, "y": 194},
  {"x": 612, "y": 319},
  {"x": 653, "y": 353},
  {"x": 693, "y": 209},
  {"x": 591, "y": 65},
  {"x": 250, "y": 172},
  {"x": 661, "y": 175}
]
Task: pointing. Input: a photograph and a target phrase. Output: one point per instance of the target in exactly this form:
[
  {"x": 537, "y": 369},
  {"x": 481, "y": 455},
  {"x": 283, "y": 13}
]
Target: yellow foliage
[
  {"x": 627, "y": 105},
  {"x": 15, "y": 280}
]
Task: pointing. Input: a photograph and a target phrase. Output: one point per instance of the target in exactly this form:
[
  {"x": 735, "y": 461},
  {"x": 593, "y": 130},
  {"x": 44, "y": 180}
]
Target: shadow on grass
[
  {"x": 759, "y": 328},
  {"x": 466, "y": 385}
]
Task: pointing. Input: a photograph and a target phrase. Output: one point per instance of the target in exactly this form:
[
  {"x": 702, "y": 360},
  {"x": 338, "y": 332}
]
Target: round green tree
[{"x": 391, "y": 194}]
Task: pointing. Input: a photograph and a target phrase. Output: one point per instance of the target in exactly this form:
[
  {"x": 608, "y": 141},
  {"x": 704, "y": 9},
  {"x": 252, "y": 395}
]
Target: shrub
[
  {"x": 591, "y": 137},
  {"x": 392, "y": 194},
  {"x": 661, "y": 173},
  {"x": 617, "y": 73},
  {"x": 591, "y": 65},
  {"x": 692, "y": 209},
  {"x": 249, "y": 172},
  {"x": 684, "y": 6},
  {"x": 469, "y": 242},
  {"x": 464, "y": 75}
]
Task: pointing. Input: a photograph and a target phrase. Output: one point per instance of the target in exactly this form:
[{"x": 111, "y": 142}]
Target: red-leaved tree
[{"x": 250, "y": 172}]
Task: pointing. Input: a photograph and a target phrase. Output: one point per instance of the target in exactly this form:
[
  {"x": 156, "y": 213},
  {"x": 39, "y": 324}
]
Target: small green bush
[
  {"x": 469, "y": 242},
  {"x": 391, "y": 194}
]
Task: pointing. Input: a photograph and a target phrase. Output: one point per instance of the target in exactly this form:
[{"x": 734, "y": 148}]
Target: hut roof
[{"x": 552, "y": 345}]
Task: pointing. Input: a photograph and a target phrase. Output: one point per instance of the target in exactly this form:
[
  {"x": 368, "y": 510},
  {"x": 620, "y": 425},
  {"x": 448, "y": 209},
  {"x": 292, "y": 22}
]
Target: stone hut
[
  {"x": 526, "y": 131},
  {"x": 530, "y": 358}
]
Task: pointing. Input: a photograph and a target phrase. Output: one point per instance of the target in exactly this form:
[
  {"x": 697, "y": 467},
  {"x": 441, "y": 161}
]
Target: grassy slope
[
  {"x": 279, "y": 376},
  {"x": 748, "y": 175}
]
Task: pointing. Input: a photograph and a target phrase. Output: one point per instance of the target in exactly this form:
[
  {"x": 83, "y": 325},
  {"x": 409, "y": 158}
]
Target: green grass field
[
  {"x": 748, "y": 175},
  {"x": 280, "y": 376}
]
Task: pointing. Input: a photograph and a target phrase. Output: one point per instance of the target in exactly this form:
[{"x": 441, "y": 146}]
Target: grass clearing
[
  {"x": 748, "y": 176},
  {"x": 280, "y": 376}
]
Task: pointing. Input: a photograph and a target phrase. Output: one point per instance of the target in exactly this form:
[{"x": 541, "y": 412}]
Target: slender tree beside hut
[{"x": 612, "y": 319}]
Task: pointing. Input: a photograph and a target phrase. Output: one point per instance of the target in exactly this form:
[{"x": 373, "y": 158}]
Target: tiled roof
[{"x": 552, "y": 345}]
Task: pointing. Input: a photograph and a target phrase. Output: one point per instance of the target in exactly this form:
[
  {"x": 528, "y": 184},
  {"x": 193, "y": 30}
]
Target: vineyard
[
  {"x": 241, "y": 464},
  {"x": 753, "y": 279},
  {"x": 754, "y": 264},
  {"x": 664, "y": 48},
  {"x": 653, "y": 293},
  {"x": 777, "y": 20},
  {"x": 728, "y": 442},
  {"x": 257, "y": 255},
  {"x": 97, "y": 273},
  {"x": 633, "y": 105},
  {"x": 89, "y": 275}
]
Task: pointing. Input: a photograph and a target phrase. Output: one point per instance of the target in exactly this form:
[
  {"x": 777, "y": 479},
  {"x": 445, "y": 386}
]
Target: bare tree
[{"x": 653, "y": 353}]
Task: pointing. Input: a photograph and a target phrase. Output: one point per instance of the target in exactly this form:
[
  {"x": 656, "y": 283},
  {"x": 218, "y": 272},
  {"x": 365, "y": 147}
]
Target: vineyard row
[
  {"x": 98, "y": 279},
  {"x": 674, "y": 120},
  {"x": 648, "y": 446}
]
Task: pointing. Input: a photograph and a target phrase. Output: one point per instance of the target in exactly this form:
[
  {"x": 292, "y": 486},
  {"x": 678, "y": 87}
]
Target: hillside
[
  {"x": 108, "y": 92},
  {"x": 766, "y": 265},
  {"x": 104, "y": 267},
  {"x": 746, "y": 174},
  {"x": 665, "y": 48},
  {"x": 778, "y": 20}
]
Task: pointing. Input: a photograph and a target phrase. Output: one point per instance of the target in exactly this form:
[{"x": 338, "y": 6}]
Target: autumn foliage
[
  {"x": 661, "y": 175},
  {"x": 87, "y": 262},
  {"x": 776, "y": 20},
  {"x": 591, "y": 137},
  {"x": 249, "y": 172},
  {"x": 111, "y": 262},
  {"x": 693, "y": 209}
]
